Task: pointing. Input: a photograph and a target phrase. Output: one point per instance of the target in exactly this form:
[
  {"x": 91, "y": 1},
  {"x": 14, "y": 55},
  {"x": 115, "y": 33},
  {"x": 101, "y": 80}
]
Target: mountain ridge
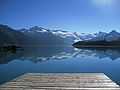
[{"x": 41, "y": 36}]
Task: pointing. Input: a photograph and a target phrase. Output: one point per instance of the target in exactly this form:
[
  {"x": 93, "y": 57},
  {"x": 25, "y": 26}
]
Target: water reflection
[
  {"x": 101, "y": 53},
  {"x": 37, "y": 54},
  {"x": 56, "y": 53},
  {"x": 14, "y": 63}
]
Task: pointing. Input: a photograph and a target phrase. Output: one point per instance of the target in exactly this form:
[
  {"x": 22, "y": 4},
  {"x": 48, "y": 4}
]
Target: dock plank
[{"x": 61, "y": 81}]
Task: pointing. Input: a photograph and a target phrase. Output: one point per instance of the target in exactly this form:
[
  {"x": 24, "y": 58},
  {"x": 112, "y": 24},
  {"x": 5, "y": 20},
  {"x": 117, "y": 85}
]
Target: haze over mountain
[{"x": 38, "y": 36}]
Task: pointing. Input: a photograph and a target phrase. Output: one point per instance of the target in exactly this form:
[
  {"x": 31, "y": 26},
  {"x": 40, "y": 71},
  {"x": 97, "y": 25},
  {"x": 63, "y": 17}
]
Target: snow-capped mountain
[
  {"x": 98, "y": 36},
  {"x": 113, "y": 36},
  {"x": 75, "y": 36},
  {"x": 42, "y": 33},
  {"x": 84, "y": 36},
  {"x": 36, "y": 36},
  {"x": 103, "y": 36}
]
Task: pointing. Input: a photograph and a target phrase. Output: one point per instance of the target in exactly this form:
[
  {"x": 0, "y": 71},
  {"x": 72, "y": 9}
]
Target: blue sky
[{"x": 71, "y": 15}]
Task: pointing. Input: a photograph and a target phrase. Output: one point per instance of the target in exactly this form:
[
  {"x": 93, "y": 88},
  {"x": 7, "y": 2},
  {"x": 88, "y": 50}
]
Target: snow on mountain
[
  {"x": 99, "y": 36},
  {"x": 75, "y": 36},
  {"x": 67, "y": 36},
  {"x": 34, "y": 29},
  {"x": 41, "y": 36},
  {"x": 84, "y": 36},
  {"x": 111, "y": 36},
  {"x": 72, "y": 37}
]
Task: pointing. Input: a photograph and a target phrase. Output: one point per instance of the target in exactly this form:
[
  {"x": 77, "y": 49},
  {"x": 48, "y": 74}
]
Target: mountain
[
  {"x": 101, "y": 40},
  {"x": 111, "y": 36},
  {"x": 8, "y": 36},
  {"x": 39, "y": 36},
  {"x": 99, "y": 36},
  {"x": 36, "y": 36},
  {"x": 84, "y": 36}
]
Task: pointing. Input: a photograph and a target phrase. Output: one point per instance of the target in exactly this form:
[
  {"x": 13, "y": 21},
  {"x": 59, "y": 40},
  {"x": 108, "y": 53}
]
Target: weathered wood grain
[{"x": 61, "y": 81}]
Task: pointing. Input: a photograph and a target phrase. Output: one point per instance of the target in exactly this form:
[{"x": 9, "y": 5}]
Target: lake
[{"x": 59, "y": 60}]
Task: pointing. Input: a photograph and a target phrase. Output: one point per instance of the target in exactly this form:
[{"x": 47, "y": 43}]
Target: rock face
[{"x": 8, "y": 36}]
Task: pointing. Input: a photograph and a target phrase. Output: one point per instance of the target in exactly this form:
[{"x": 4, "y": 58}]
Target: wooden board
[{"x": 61, "y": 81}]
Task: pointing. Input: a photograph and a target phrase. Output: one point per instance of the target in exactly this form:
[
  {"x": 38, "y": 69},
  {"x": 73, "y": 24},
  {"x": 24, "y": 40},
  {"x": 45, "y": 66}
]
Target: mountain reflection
[
  {"x": 37, "y": 54},
  {"x": 56, "y": 53},
  {"x": 111, "y": 53}
]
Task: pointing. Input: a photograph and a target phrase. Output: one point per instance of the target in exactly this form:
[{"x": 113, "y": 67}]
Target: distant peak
[
  {"x": 36, "y": 27},
  {"x": 1, "y": 25},
  {"x": 113, "y": 31},
  {"x": 4, "y": 26},
  {"x": 102, "y": 32}
]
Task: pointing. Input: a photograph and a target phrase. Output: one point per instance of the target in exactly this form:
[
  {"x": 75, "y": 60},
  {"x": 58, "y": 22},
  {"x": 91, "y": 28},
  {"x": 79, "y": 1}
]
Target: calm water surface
[{"x": 59, "y": 60}]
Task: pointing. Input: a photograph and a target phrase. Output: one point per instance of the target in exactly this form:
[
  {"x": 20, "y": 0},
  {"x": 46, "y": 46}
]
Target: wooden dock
[{"x": 61, "y": 81}]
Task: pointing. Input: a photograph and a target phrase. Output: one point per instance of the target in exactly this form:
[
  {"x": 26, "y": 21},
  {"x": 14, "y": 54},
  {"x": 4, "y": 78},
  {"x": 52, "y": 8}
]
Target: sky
[{"x": 84, "y": 16}]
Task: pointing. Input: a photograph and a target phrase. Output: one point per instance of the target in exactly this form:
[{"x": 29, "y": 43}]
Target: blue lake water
[{"x": 59, "y": 60}]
